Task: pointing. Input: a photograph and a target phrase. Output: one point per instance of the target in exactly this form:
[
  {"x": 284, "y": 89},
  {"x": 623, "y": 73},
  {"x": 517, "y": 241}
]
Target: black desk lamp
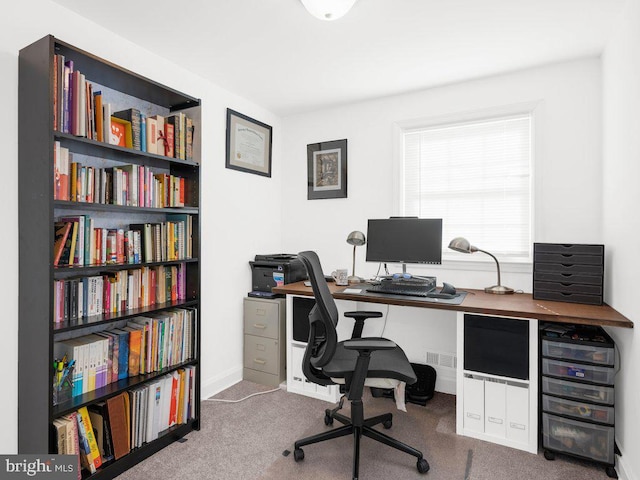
[
  {"x": 462, "y": 245},
  {"x": 356, "y": 239}
]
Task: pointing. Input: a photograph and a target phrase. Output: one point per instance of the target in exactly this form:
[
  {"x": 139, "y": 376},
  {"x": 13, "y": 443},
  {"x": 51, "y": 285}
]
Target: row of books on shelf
[
  {"x": 128, "y": 185},
  {"x": 117, "y": 292},
  {"x": 77, "y": 242},
  {"x": 145, "y": 344},
  {"x": 109, "y": 430},
  {"x": 80, "y": 110}
]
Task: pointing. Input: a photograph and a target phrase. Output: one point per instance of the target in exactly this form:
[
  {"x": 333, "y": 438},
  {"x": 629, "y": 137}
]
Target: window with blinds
[{"x": 476, "y": 176}]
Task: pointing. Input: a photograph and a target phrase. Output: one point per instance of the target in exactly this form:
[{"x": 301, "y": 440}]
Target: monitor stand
[{"x": 418, "y": 277}]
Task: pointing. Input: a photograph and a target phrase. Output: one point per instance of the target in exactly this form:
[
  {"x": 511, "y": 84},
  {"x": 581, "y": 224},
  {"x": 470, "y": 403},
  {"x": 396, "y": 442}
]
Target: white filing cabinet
[{"x": 264, "y": 340}]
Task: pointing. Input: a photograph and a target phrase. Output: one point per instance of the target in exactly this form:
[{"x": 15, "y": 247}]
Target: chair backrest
[{"x": 323, "y": 319}]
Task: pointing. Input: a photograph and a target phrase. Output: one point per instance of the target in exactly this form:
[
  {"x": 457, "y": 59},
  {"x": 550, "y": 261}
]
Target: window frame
[{"x": 451, "y": 259}]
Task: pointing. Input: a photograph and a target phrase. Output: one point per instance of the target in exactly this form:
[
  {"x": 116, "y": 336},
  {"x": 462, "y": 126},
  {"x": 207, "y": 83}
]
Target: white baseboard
[
  {"x": 212, "y": 386},
  {"x": 624, "y": 469},
  {"x": 445, "y": 380}
]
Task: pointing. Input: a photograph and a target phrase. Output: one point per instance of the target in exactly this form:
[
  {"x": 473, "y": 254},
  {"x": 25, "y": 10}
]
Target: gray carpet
[{"x": 246, "y": 441}]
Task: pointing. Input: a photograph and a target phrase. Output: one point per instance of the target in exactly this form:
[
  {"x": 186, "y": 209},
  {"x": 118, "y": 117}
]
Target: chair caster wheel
[
  {"x": 387, "y": 424},
  {"x": 328, "y": 419},
  {"x": 611, "y": 472},
  {"x": 298, "y": 455},
  {"x": 423, "y": 466},
  {"x": 549, "y": 455}
]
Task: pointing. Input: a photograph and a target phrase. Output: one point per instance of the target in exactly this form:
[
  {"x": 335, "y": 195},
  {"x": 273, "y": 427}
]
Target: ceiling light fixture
[{"x": 328, "y": 9}]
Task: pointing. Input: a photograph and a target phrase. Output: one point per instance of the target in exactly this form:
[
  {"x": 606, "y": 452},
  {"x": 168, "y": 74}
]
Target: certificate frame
[
  {"x": 327, "y": 170},
  {"x": 248, "y": 144}
]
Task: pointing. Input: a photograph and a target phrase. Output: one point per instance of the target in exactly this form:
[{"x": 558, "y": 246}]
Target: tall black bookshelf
[{"x": 37, "y": 213}]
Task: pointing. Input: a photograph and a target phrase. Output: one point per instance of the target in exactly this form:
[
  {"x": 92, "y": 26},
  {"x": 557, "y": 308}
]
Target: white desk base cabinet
[
  {"x": 499, "y": 409},
  {"x": 296, "y": 381},
  {"x": 264, "y": 346}
]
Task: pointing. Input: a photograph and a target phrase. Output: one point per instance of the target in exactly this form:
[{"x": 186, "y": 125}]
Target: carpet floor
[{"x": 246, "y": 441}]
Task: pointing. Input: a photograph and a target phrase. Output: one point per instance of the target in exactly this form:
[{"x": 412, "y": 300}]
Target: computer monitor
[{"x": 405, "y": 240}]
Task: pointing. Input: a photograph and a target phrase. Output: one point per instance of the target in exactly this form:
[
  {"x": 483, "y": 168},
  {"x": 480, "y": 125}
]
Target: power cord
[{"x": 240, "y": 400}]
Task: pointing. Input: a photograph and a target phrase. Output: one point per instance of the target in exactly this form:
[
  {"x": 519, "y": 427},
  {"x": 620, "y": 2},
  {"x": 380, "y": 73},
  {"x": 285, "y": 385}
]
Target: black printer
[{"x": 267, "y": 271}]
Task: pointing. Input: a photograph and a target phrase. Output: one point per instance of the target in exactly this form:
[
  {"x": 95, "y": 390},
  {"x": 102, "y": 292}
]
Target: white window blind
[{"x": 476, "y": 176}]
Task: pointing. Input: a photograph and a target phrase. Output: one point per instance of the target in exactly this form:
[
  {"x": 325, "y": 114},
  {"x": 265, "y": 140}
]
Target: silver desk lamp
[
  {"x": 460, "y": 244},
  {"x": 356, "y": 239}
]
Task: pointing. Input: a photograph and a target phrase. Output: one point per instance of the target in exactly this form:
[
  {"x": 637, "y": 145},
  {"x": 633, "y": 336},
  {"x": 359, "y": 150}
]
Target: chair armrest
[
  {"x": 360, "y": 317},
  {"x": 362, "y": 344}
]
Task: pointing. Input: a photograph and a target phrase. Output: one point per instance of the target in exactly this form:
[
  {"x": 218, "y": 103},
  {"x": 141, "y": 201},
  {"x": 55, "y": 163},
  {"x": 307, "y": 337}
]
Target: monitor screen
[{"x": 405, "y": 240}]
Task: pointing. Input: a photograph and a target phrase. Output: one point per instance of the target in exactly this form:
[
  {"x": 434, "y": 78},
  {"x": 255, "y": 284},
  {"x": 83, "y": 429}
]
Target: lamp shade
[
  {"x": 356, "y": 238},
  {"x": 328, "y": 9},
  {"x": 462, "y": 245}
]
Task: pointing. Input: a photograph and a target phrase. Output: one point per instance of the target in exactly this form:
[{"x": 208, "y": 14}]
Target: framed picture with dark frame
[
  {"x": 327, "y": 170},
  {"x": 248, "y": 144}
]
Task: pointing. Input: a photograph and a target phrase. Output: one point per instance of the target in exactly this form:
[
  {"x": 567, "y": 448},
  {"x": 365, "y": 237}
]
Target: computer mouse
[{"x": 448, "y": 288}]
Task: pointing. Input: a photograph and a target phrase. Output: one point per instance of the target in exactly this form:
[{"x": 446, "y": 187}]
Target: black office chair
[{"x": 355, "y": 362}]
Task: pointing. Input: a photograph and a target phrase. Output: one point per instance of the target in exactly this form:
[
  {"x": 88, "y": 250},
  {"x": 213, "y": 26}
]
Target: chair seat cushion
[{"x": 383, "y": 364}]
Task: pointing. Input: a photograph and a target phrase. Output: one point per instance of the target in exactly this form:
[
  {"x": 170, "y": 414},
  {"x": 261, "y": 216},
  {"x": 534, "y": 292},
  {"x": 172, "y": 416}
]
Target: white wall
[
  {"x": 568, "y": 195},
  {"x": 621, "y": 172},
  {"x": 232, "y": 229}
]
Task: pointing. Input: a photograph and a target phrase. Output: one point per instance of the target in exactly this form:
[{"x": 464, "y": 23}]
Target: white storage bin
[
  {"x": 578, "y": 371},
  {"x": 579, "y": 410},
  {"x": 582, "y": 353},
  {"x": 578, "y": 391},
  {"x": 578, "y": 438}
]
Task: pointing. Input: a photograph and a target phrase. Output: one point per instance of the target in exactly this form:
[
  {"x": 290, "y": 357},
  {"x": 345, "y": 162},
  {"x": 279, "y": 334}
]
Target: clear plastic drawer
[
  {"x": 580, "y": 410},
  {"x": 578, "y": 371},
  {"x": 573, "y": 351},
  {"x": 578, "y": 438},
  {"x": 578, "y": 391}
]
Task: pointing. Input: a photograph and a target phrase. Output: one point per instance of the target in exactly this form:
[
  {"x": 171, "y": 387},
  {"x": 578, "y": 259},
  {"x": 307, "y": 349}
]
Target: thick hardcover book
[
  {"x": 189, "y": 140},
  {"x": 67, "y": 248},
  {"x": 132, "y": 115},
  {"x": 135, "y": 349},
  {"x": 123, "y": 353},
  {"x": 61, "y": 230},
  {"x": 99, "y": 416},
  {"x": 160, "y": 140},
  {"x": 118, "y": 411}
]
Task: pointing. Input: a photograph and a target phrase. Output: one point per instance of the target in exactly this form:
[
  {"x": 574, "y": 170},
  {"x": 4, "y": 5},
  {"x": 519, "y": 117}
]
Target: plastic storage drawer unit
[
  {"x": 579, "y": 410},
  {"x": 583, "y": 439},
  {"x": 579, "y": 391},
  {"x": 578, "y": 371},
  {"x": 601, "y": 355}
]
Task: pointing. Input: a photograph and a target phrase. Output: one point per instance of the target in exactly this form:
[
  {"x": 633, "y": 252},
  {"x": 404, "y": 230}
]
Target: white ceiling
[{"x": 275, "y": 54}]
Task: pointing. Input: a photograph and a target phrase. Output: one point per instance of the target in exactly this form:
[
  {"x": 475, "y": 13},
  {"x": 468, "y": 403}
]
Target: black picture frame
[
  {"x": 327, "y": 170},
  {"x": 248, "y": 144}
]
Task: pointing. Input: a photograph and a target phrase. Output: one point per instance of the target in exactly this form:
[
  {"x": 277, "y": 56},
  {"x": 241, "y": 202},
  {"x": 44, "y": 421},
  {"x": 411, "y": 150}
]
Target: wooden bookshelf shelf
[
  {"x": 46, "y": 328},
  {"x": 60, "y": 272},
  {"x": 107, "y": 318},
  {"x": 112, "y": 389},
  {"x": 91, "y": 147}
]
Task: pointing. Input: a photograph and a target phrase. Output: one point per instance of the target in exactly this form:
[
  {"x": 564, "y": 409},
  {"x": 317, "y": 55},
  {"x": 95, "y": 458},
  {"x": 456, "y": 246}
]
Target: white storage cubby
[{"x": 495, "y": 408}]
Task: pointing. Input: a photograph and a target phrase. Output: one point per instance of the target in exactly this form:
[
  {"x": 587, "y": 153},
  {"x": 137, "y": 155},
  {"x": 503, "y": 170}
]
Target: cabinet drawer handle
[
  {"x": 518, "y": 426},
  {"x": 475, "y": 416},
  {"x": 495, "y": 420},
  {"x": 259, "y": 361},
  {"x": 259, "y": 325}
]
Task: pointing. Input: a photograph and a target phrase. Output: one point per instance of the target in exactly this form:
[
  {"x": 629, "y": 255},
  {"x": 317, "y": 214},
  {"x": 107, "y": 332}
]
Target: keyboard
[{"x": 409, "y": 291}]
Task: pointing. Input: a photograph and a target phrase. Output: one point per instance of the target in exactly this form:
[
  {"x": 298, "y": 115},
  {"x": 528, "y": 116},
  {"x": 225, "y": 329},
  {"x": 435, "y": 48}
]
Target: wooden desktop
[{"x": 521, "y": 305}]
